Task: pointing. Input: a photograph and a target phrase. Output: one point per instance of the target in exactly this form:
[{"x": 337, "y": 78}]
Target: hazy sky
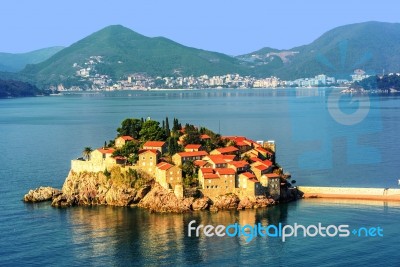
[{"x": 232, "y": 27}]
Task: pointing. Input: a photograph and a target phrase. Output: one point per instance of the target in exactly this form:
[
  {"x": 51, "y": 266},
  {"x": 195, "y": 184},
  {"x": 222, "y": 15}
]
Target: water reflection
[{"x": 134, "y": 236}]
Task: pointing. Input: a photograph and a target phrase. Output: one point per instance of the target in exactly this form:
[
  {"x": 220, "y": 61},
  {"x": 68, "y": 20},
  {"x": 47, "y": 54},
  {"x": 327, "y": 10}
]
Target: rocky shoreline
[{"x": 87, "y": 189}]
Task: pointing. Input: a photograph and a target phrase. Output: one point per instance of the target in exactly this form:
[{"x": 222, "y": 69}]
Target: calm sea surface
[{"x": 322, "y": 139}]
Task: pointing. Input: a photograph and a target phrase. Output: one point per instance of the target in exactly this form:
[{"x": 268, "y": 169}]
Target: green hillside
[
  {"x": 124, "y": 51},
  {"x": 16, "y": 62},
  {"x": 371, "y": 46}
]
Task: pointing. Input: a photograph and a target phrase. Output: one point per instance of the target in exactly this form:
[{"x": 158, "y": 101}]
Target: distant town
[{"x": 141, "y": 81}]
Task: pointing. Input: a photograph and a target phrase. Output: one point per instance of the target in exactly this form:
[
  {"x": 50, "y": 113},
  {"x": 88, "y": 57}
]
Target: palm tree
[{"x": 86, "y": 152}]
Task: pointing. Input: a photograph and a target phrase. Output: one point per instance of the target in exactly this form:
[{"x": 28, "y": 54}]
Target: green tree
[
  {"x": 151, "y": 130},
  {"x": 86, "y": 152},
  {"x": 131, "y": 127},
  {"x": 167, "y": 130},
  {"x": 189, "y": 168},
  {"x": 130, "y": 151},
  {"x": 173, "y": 146},
  {"x": 192, "y": 135}
]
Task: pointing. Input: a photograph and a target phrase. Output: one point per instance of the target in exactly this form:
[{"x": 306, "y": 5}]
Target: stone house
[
  {"x": 102, "y": 155},
  {"x": 148, "y": 159},
  {"x": 182, "y": 157},
  {"x": 249, "y": 185},
  {"x": 239, "y": 166},
  {"x": 193, "y": 147},
  {"x": 168, "y": 175},
  {"x": 272, "y": 182},
  {"x": 157, "y": 145},
  {"x": 122, "y": 140}
]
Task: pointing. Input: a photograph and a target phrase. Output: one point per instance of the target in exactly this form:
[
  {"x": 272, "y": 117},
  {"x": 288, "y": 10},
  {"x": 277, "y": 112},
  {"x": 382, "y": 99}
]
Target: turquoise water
[{"x": 40, "y": 135}]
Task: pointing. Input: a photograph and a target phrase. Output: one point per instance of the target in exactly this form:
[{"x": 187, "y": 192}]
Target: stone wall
[{"x": 87, "y": 166}]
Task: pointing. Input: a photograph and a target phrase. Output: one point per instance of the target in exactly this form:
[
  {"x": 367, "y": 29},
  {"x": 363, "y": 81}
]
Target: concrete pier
[{"x": 389, "y": 194}]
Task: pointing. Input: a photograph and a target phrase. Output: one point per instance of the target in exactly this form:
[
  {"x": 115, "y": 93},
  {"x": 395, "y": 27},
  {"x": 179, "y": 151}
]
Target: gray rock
[{"x": 42, "y": 194}]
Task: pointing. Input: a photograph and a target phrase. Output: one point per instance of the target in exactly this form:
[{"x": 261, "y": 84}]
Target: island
[{"x": 173, "y": 169}]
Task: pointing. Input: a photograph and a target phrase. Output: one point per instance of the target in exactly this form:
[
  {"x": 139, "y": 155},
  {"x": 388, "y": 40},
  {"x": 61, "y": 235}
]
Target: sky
[{"x": 232, "y": 27}]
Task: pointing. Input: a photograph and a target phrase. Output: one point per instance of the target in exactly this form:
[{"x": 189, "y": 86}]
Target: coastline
[{"x": 351, "y": 193}]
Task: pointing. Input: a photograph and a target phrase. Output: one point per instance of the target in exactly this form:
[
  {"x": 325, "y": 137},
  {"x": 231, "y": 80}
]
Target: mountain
[
  {"x": 371, "y": 46},
  {"x": 118, "y": 51},
  {"x": 15, "y": 62}
]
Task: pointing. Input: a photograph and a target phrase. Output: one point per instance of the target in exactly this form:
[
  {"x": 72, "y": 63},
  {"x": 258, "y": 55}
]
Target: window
[
  {"x": 151, "y": 157},
  {"x": 207, "y": 186},
  {"x": 170, "y": 172},
  {"x": 143, "y": 158}
]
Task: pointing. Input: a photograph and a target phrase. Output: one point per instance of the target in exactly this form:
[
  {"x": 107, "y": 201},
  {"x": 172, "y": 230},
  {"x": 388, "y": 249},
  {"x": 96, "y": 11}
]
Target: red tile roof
[
  {"x": 164, "y": 166},
  {"x": 242, "y": 143},
  {"x": 228, "y": 149},
  {"x": 235, "y": 138},
  {"x": 192, "y": 146},
  {"x": 205, "y": 136},
  {"x": 127, "y": 138},
  {"x": 153, "y": 144},
  {"x": 120, "y": 158},
  {"x": 249, "y": 175},
  {"x": 193, "y": 154},
  {"x": 239, "y": 164},
  {"x": 255, "y": 159},
  {"x": 225, "y": 171},
  {"x": 106, "y": 150},
  {"x": 261, "y": 167},
  {"x": 267, "y": 162},
  {"x": 200, "y": 163},
  {"x": 206, "y": 170},
  {"x": 220, "y": 159}
]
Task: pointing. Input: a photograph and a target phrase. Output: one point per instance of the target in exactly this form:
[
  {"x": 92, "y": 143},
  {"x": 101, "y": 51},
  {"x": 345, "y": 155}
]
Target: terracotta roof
[
  {"x": 164, "y": 166},
  {"x": 200, "y": 163},
  {"x": 261, "y": 167},
  {"x": 255, "y": 159},
  {"x": 267, "y": 163},
  {"x": 120, "y": 158},
  {"x": 192, "y": 146},
  {"x": 127, "y": 138},
  {"x": 106, "y": 150},
  {"x": 219, "y": 159},
  {"x": 154, "y": 151},
  {"x": 228, "y": 149},
  {"x": 249, "y": 175},
  {"x": 242, "y": 143},
  {"x": 234, "y": 138},
  {"x": 205, "y": 136},
  {"x": 225, "y": 171},
  {"x": 193, "y": 154},
  {"x": 206, "y": 170},
  {"x": 239, "y": 164},
  {"x": 153, "y": 144},
  {"x": 211, "y": 176},
  {"x": 216, "y": 160},
  {"x": 254, "y": 180}
]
